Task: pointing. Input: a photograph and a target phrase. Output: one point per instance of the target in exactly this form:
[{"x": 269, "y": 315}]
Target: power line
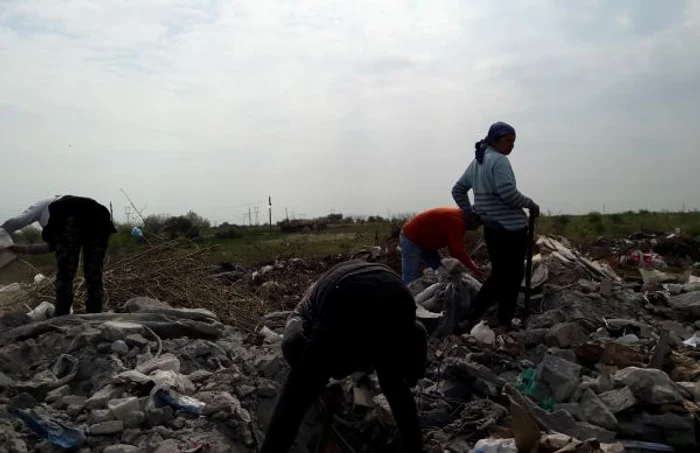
[{"x": 241, "y": 205}]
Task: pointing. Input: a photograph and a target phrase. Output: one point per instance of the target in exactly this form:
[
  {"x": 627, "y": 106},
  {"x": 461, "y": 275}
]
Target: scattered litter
[
  {"x": 5, "y": 239},
  {"x": 495, "y": 446},
  {"x": 55, "y": 432},
  {"x": 449, "y": 298},
  {"x": 177, "y": 401},
  {"x": 591, "y": 363},
  {"x": 12, "y": 287},
  {"x": 44, "y": 310},
  {"x": 693, "y": 341},
  {"x": 483, "y": 333}
]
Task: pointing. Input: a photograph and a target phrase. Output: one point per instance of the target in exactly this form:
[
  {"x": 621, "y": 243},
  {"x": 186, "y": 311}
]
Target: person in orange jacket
[{"x": 429, "y": 231}]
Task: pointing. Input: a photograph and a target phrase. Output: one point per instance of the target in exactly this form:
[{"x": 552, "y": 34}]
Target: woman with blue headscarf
[{"x": 499, "y": 206}]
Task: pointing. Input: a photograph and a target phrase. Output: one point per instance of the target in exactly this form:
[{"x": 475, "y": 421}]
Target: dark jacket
[
  {"x": 357, "y": 315},
  {"x": 94, "y": 220}
]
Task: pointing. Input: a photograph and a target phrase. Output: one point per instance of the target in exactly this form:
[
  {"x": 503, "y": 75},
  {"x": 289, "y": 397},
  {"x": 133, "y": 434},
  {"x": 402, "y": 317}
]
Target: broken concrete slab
[
  {"x": 107, "y": 428},
  {"x": 687, "y": 305},
  {"x": 566, "y": 335},
  {"x": 136, "y": 340},
  {"x": 559, "y": 377},
  {"x": 122, "y": 448},
  {"x": 118, "y": 330},
  {"x": 618, "y": 400},
  {"x": 596, "y": 412},
  {"x": 649, "y": 385},
  {"x": 530, "y": 337}
]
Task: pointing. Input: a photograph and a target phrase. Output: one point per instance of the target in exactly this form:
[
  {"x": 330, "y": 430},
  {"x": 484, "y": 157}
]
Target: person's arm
[
  {"x": 304, "y": 383},
  {"x": 31, "y": 249},
  {"x": 403, "y": 407},
  {"x": 30, "y": 215},
  {"x": 455, "y": 245},
  {"x": 460, "y": 191},
  {"x": 299, "y": 322},
  {"x": 506, "y": 187}
]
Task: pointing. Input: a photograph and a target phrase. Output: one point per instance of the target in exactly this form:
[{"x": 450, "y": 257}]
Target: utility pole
[
  {"x": 269, "y": 208},
  {"x": 257, "y": 210},
  {"x": 127, "y": 213},
  {"x": 250, "y": 217},
  {"x": 286, "y": 214}
]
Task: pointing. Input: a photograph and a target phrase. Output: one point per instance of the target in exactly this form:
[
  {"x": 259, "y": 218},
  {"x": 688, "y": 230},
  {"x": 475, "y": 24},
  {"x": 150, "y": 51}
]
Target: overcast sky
[{"x": 357, "y": 106}]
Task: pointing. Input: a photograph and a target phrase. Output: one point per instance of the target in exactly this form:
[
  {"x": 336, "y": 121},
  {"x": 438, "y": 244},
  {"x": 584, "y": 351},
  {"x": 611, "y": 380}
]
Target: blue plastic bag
[
  {"x": 55, "y": 432},
  {"x": 179, "y": 402}
]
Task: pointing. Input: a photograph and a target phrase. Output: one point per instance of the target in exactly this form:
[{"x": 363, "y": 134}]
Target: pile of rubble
[
  {"x": 281, "y": 282},
  {"x": 151, "y": 378},
  {"x": 601, "y": 364}
]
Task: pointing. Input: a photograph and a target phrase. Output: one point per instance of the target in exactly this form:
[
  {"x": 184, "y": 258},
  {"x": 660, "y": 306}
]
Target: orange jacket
[{"x": 437, "y": 228}]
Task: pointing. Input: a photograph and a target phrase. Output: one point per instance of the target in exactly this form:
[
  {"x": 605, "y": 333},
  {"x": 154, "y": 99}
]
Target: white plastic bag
[
  {"x": 693, "y": 341},
  {"x": 6, "y": 256},
  {"x": 483, "y": 333},
  {"x": 495, "y": 446},
  {"x": 5, "y": 239},
  {"x": 44, "y": 310}
]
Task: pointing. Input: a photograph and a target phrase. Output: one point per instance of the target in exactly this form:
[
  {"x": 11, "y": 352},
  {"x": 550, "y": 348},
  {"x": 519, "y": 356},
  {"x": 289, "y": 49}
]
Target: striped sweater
[{"x": 496, "y": 198}]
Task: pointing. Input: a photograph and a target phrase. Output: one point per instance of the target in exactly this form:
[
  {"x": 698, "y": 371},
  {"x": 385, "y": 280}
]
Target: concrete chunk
[
  {"x": 559, "y": 377},
  {"x": 618, "y": 400},
  {"x": 107, "y": 428}
]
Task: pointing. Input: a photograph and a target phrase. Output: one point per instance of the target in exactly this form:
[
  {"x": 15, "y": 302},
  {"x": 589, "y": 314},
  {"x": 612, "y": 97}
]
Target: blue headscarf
[{"x": 496, "y": 131}]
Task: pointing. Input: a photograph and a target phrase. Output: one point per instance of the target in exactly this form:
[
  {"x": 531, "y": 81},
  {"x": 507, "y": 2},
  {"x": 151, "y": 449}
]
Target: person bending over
[
  {"x": 357, "y": 316},
  {"x": 69, "y": 224}
]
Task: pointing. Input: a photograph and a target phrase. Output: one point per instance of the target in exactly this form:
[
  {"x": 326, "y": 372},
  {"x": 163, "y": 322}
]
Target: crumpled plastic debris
[
  {"x": 54, "y": 431},
  {"x": 5, "y": 239},
  {"x": 44, "y": 310},
  {"x": 64, "y": 370},
  {"x": 495, "y": 446},
  {"x": 693, "y": 341},
  {"x": 483, "y": 333},
  {"x": 449, "y": 298},
  {"x": 6, "y": 256},
  {"x": 177, "y": 401}
]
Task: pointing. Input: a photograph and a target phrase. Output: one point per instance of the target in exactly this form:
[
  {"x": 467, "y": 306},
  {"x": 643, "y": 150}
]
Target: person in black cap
[
  {"x": 69, "y": 224},
  {"x": 358, "y": 316}
]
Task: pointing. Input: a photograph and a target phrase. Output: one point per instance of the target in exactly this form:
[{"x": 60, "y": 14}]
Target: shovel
[{"x": 528, "y": 267}]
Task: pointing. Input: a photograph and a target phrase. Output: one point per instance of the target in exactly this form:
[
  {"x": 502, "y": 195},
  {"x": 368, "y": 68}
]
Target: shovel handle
[{"x": 528, "y": 264}]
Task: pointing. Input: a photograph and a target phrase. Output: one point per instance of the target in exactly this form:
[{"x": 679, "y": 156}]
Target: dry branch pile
[{"x": 175, "y": 272}]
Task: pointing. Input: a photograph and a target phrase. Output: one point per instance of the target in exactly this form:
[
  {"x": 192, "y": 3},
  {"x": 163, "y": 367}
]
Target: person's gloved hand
[{"x": 534, "y": 209}]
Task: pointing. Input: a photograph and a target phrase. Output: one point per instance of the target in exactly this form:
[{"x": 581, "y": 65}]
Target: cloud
[{"x": 363, "y": 106}]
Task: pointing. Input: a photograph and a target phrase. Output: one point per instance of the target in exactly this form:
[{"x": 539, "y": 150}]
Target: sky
[{"x": 358, "y": 106}]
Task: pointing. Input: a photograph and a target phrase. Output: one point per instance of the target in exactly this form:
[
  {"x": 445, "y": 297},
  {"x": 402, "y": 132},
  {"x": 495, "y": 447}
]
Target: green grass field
[{"x": 256, "y": 245}]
